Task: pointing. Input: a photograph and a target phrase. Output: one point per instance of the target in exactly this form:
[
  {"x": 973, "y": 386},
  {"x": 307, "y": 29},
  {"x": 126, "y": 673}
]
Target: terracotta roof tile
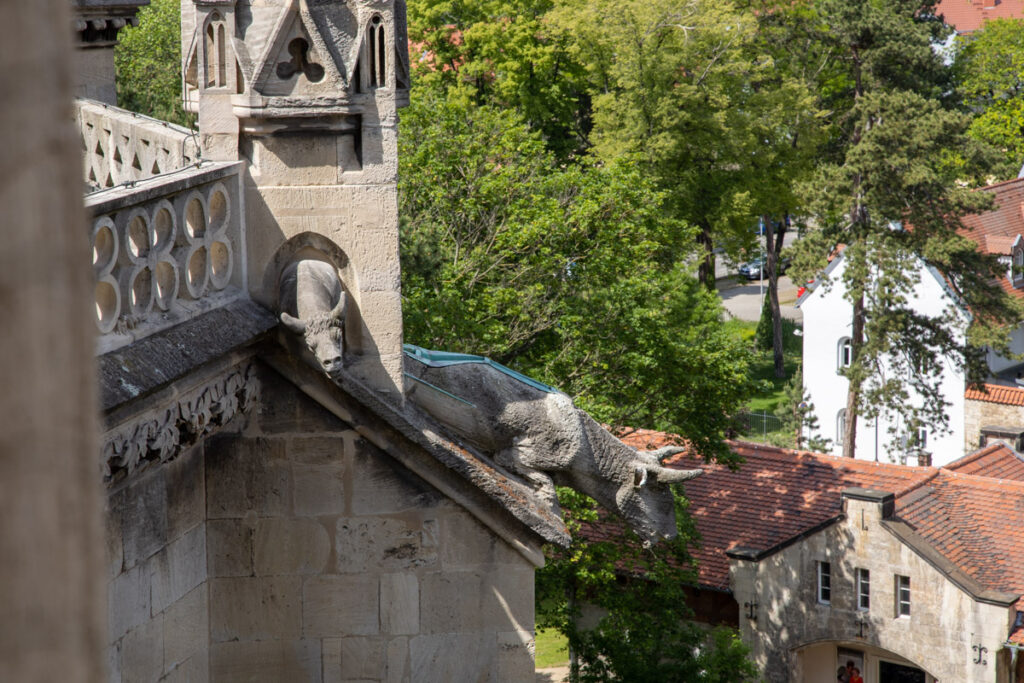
[
  {"x": 997, "y": 460},
  {"x": 995, "y": 393},
  {"x": 970, "y": 15},
  {"x": 972, "y": 521},
  {"x": 968, "y": 511},
  {"x": 775, "y": 495}
]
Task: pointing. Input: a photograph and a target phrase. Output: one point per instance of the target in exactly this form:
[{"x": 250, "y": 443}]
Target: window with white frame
[
  {"x": 844, "y": 353},
  {"x": 902, "y": 596},
  {"x": 863, "y": 589},
  {"x": 922, "y": 437},
  {"x": 825, "y": 583}
]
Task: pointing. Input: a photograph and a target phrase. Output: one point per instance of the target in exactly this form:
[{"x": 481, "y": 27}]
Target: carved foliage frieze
[{"x": 161, "y": 435}]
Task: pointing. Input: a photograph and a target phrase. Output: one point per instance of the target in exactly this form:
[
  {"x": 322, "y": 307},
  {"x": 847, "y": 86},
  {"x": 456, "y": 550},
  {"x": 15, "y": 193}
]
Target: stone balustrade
[
  {"x": 165, "y": 250},
  {"x": 121, "y": 147}
]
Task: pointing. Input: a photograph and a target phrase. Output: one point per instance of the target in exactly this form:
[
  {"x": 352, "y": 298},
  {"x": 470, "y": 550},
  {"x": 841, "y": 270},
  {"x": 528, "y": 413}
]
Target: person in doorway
[
  {"x": 855, "y": 676},
  {"x": 844, "y": 673}
]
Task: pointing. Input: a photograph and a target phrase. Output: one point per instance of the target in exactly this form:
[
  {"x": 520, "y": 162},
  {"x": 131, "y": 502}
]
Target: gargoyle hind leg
[{"x": 515, "y": 458}]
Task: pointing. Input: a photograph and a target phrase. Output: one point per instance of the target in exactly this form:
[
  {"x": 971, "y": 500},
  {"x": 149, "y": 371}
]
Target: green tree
[
  {"x": 148, "y": 63},
  {"x": 670, "y": 81},
  {"x": 990, "y": 66},
  {"x": 507, "y": 54},
  {"x": 647, "y": 633},
  {"x": 797, "y": 415},
  {"x": 568, "y": 273},
  {"x": 891, "y": 194}
]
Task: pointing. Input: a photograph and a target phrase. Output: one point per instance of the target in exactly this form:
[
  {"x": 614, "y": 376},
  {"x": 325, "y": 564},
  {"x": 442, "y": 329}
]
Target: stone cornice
[
  {"x": 163, "y": 432},
  {"x": 97, "y": 22}
]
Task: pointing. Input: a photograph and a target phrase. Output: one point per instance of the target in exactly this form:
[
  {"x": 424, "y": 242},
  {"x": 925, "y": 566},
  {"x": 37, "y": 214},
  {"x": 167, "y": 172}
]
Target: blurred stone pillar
[{"x": 51, "y": 594}]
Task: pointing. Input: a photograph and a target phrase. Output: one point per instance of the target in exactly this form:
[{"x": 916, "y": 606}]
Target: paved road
[{"x": 742, "y": 299}]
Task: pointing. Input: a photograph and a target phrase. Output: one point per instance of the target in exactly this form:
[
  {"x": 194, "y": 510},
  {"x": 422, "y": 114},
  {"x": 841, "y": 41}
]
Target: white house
[{"x": 826, "y": 347}]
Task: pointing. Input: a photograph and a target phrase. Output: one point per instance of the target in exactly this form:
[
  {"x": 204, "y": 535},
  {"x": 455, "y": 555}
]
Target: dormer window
[{"x": 1017, "y": 272}]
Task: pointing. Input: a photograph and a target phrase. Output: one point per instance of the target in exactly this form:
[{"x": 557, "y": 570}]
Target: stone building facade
[
  {"x": 910, "y": 572},
  {"x": 279, "y": 505}
]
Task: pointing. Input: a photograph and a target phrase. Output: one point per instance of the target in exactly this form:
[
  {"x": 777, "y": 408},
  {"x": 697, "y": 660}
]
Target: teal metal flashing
[{"x": 440, "y": 359}]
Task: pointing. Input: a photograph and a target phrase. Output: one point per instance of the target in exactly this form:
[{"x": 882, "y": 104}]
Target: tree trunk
[
  {"x": 51, "y": 539},
  {"x": 773, "y": 247},
  {"x": 853, "y": 395},
  {"x": 706, "y": 269}
]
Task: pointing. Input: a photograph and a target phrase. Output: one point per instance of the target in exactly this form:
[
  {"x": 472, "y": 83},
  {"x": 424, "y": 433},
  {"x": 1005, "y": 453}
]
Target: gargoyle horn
[
  {"x": 294, "y": 324},
  {"x": 667, "y": 475},
  {"x": 665, "y": 452},
  {"x": 338, "y": 312}
]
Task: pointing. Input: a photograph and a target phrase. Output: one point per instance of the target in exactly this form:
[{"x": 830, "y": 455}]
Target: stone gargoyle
[
  {"x": 312, "y": 304},
  {"x": 538, "y": 433}
]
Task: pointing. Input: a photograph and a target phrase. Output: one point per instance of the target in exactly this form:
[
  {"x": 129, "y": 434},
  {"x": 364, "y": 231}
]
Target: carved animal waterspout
[
  {"x": 312, "y": 304},
  {"x": 536, "y": 431}
]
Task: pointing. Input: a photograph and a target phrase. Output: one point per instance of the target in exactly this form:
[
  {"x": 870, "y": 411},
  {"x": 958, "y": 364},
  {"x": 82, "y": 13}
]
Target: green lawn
[
  {"x": 770, "y": 392},
  {"x": 552, "y": 649}
]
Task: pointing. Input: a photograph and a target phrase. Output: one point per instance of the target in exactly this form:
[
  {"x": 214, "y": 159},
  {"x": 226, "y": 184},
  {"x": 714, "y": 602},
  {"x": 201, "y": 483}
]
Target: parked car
[{"x": 755, "y": 269}]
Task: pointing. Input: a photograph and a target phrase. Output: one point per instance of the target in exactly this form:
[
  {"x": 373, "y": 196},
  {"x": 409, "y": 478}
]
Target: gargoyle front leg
[{"x": 515, "y": 458}]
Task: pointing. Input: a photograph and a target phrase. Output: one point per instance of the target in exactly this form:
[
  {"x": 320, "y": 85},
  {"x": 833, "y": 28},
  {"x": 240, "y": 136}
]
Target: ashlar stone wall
[
  {"x": 286, "y": 547},
  {"x": 978, "y": 414},
  {"x": 945, "y": 621}
]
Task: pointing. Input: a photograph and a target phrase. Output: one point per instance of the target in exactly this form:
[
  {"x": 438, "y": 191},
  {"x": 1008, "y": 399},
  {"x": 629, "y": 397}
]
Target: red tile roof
[
  {"x": 997, "y": 460},
  {"x": 970, "y": 15},
  {"x": 794, "y": 491},
  {"x": 995, "y": 231},
  {"x": 997, "y": 228},
  {"x": 995, "y": 393},
  {"x": 969, "y": 511}
]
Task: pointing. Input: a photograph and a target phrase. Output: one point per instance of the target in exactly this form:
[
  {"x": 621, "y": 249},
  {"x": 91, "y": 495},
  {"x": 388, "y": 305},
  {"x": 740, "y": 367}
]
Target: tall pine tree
[{"x": 890, "y": 194}]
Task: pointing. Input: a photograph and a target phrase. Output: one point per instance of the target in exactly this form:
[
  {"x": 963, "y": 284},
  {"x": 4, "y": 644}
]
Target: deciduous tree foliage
[
  {"x": 990, "y": 66},
  {"x": 647, "y": 632},
  {"x": 568, "y": 273},
  {"x": 505, "y": 53},
  {"x": 148, "y": 63}
]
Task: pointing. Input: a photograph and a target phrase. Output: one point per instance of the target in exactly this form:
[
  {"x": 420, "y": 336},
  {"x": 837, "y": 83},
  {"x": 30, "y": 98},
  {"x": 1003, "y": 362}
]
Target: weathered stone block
[
  {"x": 294, "y": 160},
  {"x": 451, "y": 602},
  {"x": 318, "y": 450},
  {"x": 393, "y": 543},
  {"x": 195, "y": 669},
  {"x": 362, "y": 659},
  {"x": 453, "y": 657},
  {"x": 114, "y": 663},
  {"x": 516, "y": 656},
  {"x": 381, "y": 485},
  {"x": 467, "y": 543},
  {"x": 291, "y": 546},
  {"x": 255, "y": 608},
  {"x": 186, "y": 492},
  {"x": 186, "y": 628},
  {"x": 178, "y": 569},
  {"x": 142, "y": 652},
  {"x": 246, "y": 474},
  {"x": 376, "y": 252},
  {"x": 340, "y": 606},
  {"x": 398, "y": 660},
  {"x": 266, "y": 661},
  {"x": 230, "y": 547},
  {"x": 128, "y": 601},
  {"x": 114, "y": 547},
  {"x": 399, "y": 604},
  {"x": 508, "y": 599},
  {"x": 141, "y": 509},
  {"x": 318, "y": 489}
]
